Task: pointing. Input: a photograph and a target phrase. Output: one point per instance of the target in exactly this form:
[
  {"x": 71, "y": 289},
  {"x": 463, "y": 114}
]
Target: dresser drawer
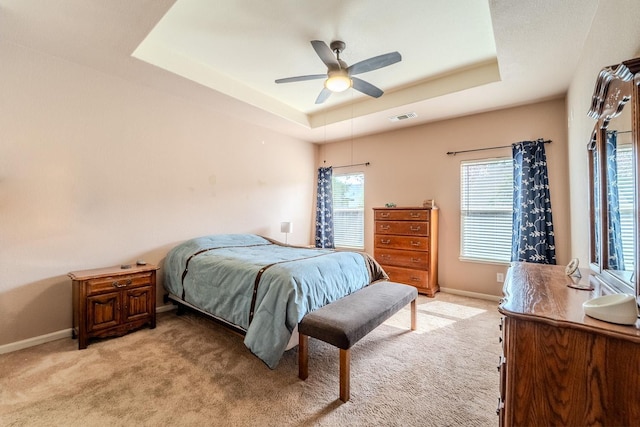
[
  {"x": 402, "y": 215},
  {"x": 411, "y": 228},
  {"x": 416, "y": 243},
  {"x": 104, "y": 284},
  {"x": 399, "y": 258},
  {"x": 417, "y": 278}
]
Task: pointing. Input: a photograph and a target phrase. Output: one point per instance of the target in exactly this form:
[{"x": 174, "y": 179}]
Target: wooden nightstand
[{"x": 112, "y": 301}]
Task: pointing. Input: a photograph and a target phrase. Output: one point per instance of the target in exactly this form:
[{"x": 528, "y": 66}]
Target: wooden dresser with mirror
[{"x": 560, "y": 366}]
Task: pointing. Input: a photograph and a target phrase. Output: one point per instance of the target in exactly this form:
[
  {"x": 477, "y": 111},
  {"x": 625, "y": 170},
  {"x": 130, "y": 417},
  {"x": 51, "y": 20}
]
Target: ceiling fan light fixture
[{"x": 338, "y": 81}]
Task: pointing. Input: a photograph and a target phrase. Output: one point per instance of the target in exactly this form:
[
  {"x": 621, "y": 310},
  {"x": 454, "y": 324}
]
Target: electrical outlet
[{"x": 500, "y": 277}]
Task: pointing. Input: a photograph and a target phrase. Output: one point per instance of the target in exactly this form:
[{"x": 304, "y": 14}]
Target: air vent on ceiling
[{"x": 404, "y": 116}]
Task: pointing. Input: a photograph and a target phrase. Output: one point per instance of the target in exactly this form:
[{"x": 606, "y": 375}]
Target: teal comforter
[{"x": 263, "y": 287}]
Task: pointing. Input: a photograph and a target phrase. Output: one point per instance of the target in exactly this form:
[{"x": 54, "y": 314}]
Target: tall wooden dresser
[
  {"x": 560, "y": 367},
  {"x": 406, "y": 246}
]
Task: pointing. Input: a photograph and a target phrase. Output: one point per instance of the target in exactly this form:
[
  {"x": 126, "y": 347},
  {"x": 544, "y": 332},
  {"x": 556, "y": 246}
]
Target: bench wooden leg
[
  {"x": 345, "y": 374},
  {"x": 303, "y": 356},
  {"x": 414, "y": 315}
]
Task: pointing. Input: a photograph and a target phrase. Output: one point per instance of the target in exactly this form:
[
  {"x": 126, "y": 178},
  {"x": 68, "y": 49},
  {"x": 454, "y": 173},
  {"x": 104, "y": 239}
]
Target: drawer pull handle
[
  {"x": 415, "y": 243},
  {"x": 384, "y": 256},
  {"x": 117, "y": 284},
  {"x": 415, "y": 214},
  {"x": 385, "y": 227},
  {"x": 415, "y": 279},
  {"x": 385, "y": 242},
  {"x": 384, "y": 214},
  {"x": 415, "y": 228},
  {"x": 415, "y": 259}
]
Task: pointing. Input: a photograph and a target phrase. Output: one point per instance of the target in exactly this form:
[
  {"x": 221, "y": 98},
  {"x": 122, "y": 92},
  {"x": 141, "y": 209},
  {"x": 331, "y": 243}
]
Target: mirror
[{"x": 613, "y": 151}]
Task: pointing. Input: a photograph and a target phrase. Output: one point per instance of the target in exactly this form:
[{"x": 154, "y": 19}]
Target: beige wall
[
  {"x": 97, "y": 171},
  {"x": 614, "y": 37},
  {"x": 411, "y": 165}
]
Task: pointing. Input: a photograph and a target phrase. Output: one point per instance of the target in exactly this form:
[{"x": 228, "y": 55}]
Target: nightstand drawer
[{"x": 105, "y": 284}]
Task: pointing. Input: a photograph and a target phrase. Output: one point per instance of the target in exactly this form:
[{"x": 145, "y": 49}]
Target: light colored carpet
[{"x": 191, "y": 371}]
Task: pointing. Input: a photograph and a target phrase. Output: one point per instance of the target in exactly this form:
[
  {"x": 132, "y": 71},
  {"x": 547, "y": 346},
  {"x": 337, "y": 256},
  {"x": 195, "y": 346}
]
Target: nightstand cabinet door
[
  {"x": 140, "y": 303},
  {"x": 406, "y": 246},
  {"x": 103, "y": 311},
  {"x": 112, "y": 301}
]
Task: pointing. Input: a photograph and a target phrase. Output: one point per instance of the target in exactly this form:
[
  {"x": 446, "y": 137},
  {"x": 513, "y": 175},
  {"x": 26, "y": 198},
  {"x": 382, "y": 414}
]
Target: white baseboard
[
  {"x": 65, "y": 333},
  {"x": 30, "y": 342},
  {"x": 471, "y": 294},
  {"x": 166, "y": 307}
]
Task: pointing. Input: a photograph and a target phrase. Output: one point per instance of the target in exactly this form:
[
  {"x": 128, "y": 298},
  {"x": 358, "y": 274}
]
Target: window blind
[
  {"x": 626, "y": 191},
  {"x": 348, "y": 210},
  {"x": 486, "y": 209}
]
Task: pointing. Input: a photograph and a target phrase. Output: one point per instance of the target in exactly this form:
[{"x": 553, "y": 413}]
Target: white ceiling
[{"x": 458, "y": 57}]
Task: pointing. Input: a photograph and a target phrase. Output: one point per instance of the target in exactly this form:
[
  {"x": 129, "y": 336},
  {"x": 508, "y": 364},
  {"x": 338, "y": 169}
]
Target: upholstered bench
[{"x": 345, "y": 321}]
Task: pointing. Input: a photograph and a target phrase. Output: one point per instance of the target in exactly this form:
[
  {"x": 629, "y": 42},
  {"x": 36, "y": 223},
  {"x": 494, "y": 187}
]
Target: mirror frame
[{"x": 616, "y": 88}]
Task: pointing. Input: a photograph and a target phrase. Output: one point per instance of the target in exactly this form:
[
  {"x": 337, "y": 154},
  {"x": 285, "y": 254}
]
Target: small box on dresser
[
  {"x": 112, "y": 301},
  {"x": 406, "y": 246}
]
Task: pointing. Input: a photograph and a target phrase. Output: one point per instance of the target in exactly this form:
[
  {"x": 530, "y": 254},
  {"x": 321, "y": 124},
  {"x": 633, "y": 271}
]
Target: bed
[{"x": 261, "y": 287}]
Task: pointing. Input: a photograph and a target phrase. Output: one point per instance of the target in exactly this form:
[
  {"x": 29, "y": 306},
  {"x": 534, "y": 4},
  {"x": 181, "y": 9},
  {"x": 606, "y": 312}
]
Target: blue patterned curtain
[
  {"x": 533, "y": 238},
  {"x": 324, "y": 209},
  {"x": 616, "y": 258}
]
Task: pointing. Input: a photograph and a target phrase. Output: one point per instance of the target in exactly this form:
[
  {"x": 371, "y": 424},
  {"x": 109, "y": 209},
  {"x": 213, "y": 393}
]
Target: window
[
  {"x": 348, "y": 210},
  {"x": 486, "y": 210}
]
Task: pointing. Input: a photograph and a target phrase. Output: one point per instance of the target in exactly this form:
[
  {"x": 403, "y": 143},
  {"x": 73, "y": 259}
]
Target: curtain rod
[
  {"x": 548, "y": 141},
  {"x": 348, "y": 166}
]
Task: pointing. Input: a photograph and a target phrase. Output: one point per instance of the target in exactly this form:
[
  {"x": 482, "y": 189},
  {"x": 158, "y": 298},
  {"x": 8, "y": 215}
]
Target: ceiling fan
[{"x": 339, "y": 76}]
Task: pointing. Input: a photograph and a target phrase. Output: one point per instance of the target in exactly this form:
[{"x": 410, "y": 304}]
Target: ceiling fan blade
[
  {"x": 374, "y": 63},
  {"x": 302, "y": 78},
  {"x": 366, "y": 88},
  {"x": 324, "y": 94},
  {"x": 325, "y": 53}
]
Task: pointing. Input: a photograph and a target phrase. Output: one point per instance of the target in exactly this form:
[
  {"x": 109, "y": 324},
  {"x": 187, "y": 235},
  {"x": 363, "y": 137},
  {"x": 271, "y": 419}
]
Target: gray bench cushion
[{"x": 345, "y": 321}]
